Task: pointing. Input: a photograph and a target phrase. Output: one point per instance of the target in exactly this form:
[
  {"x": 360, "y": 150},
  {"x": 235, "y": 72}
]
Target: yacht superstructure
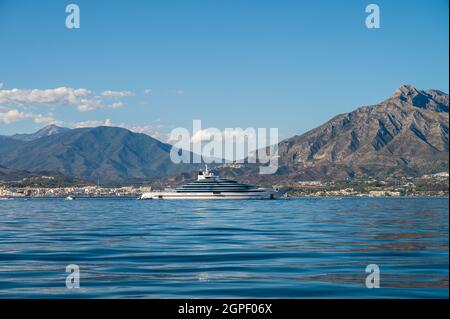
[{"x": 210, "y": 186}]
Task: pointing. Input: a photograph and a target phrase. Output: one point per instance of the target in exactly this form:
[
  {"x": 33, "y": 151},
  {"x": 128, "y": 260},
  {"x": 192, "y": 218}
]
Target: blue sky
[{"x": 230, "y": 63}]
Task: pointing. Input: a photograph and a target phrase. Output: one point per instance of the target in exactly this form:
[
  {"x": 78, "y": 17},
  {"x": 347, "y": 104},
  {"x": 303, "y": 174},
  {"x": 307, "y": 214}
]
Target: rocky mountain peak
[
  {"x": 406, "y": 90},
  {"x": 48, "y": 130},
  {"x": 433, "y": 100},
  {"x": 51, "y": 127},
  {"x": 406, "y": 134}
]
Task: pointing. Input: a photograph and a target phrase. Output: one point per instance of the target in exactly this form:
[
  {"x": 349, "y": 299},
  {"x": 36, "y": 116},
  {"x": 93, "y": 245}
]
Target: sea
[{"x": 292, "y": 248}]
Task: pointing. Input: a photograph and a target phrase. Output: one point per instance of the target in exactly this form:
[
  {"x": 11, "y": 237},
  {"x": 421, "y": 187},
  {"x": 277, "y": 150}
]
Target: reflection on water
[{"x": 288, "y": 248}]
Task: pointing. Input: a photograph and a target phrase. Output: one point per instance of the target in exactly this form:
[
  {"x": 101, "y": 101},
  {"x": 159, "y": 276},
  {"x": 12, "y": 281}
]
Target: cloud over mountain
[
  {"x": 15, "y": 115},
  {"x": 82, "y": 99}
]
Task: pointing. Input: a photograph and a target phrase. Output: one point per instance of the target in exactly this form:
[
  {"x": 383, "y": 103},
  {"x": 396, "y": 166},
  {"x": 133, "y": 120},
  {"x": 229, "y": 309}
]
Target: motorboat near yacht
[{"x": 210, "y": 186}]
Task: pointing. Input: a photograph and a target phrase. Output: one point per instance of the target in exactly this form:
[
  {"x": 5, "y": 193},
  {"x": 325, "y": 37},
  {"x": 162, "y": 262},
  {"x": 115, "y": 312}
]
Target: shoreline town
[{"x": 435, "y": 185}]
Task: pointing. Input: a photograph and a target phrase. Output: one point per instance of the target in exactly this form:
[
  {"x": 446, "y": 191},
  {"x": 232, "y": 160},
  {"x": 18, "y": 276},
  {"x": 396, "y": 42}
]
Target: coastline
[
  {"x": 282, "y": 198},
  {"x": 403, "y": 187}
]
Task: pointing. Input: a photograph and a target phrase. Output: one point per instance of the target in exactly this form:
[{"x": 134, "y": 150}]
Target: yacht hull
[
  {"x": 211, "y": 187},
  {"x": 211, "y": 196}
]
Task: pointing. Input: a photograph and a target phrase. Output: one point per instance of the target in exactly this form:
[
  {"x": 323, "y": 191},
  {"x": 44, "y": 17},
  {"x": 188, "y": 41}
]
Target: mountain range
[
  {"x": 105, "y": 153},
  {"x": 405, "y": 135}
]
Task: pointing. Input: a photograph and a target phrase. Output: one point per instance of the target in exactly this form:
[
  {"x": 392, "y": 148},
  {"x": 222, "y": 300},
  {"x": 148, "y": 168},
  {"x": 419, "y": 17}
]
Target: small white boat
[
  {"x": 69, "y": 198},
  {"x": 209, "y": 186}
]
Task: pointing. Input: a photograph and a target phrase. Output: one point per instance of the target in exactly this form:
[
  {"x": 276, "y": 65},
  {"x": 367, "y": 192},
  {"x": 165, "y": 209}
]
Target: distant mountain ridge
[
  {"x": 405, "y": 135},
  {"x": 46, "y": 131},
  {"x": 105, "y": 153}
]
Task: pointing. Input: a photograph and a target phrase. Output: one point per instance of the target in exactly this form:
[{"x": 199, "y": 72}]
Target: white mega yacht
[{"x": 210, "y": 186}]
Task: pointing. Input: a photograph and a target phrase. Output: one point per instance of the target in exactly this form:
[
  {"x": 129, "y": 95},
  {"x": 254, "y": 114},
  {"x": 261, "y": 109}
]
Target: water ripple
[{"x": 305, "y": 248}]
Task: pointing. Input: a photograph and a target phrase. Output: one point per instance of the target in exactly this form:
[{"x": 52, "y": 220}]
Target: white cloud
[
  {"x": 201, "y": 135},
  {"x": 12, "y": 116},
  {"x": 93, "y": 123},
  {"x": 148, "y": 130},
  {"x": 83, "y": 99},
  {"x": 49, "y": 97},
  {"x": 148, "y": 91},
  {"x": 61, "y": 95},
  {"x": 96, "y": 102},
  {"x": 44, "y": 119},
  {"x": 116, "y": 105},
  {"x": 239, "y": 139},
  {"x": 116, "y": 93},
  {"x": 85, "y": 105},
  {"x": 179, "y": 92},
  {"x": 239, "y": 136}
]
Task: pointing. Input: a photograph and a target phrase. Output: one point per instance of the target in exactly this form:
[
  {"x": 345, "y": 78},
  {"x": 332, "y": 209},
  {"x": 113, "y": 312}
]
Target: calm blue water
[{"x": 303, "y": 248}]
